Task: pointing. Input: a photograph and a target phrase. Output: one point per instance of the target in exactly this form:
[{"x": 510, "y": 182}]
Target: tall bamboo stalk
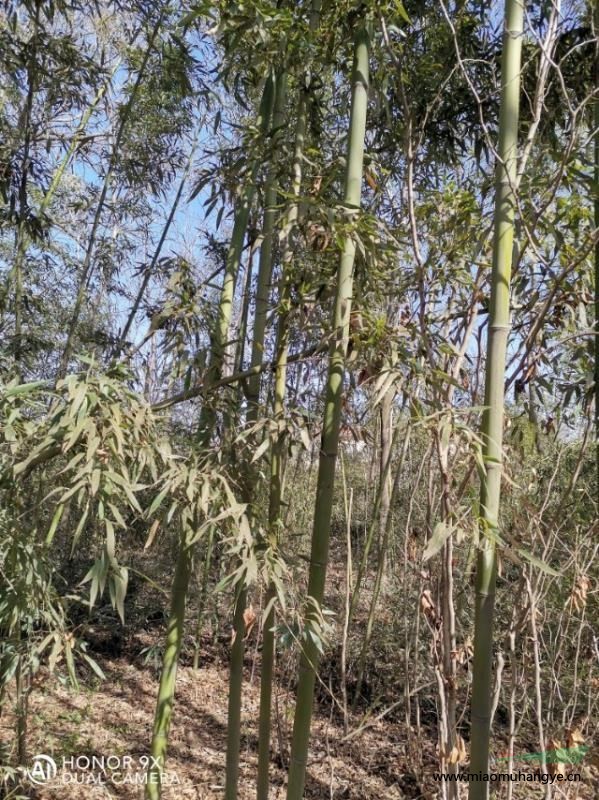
[
  {"x": 199, "y": 625},
  {"x": 492, "y": 423},
  {"x": 21, "y": 702},
  {"x": 180, "y": 587},
  {"x": 277, "y": 467},
  {"x": 168, "y": 675},
  {"x": 263, "y": 284},
  {"x": 221, "y": 331},
  {"x": 332, "y": 415},
  {"x": 242, "y": 325},
  {"x": 227, "y": 425},
  {"x": 22, "y": 237},
  {"x": 277, "y": 461}
]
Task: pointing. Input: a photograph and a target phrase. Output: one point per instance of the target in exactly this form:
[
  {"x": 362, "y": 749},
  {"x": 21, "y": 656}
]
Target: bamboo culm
[
  {"x": 332, "y": 417},
  {"x": 183, "y": 569},
  {"x": 263, "y": 283},
  {"x": 277, "y": 455},
  {"x": 492, "y": 424}
]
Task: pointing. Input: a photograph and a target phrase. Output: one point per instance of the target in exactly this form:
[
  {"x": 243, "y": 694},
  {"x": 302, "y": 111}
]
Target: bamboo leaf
[
  {"x": 23, "y": 388},
  {"x": 94, "y": 665},
  {"x": 55, "y": 522},
  {"x": 157, "y": 501},
  {"x": 260, "y": 450},
  {"x": 441, "y": 533},
  {"x": 539, "y": 563},
  {"x": 95, "y": 482},
  {"x": 120, "y": 580},
  {"x": 79, "y": 528},
  {"x": 152, "y": 534},
  {"x": 110, "y": 540},
  {"x": 118, "y": 517}
]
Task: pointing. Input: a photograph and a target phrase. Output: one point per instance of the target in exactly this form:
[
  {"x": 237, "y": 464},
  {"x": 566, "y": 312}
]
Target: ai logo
[{"x": 42, "y": 770}]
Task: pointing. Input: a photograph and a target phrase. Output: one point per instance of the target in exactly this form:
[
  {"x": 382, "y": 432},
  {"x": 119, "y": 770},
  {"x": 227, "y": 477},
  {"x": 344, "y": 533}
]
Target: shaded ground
[{"x": 115, "y": 719}]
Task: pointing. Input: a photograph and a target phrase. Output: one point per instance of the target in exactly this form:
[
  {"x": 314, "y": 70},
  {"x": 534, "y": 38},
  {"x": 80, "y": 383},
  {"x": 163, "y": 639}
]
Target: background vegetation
[{"x": 298, "y": 306}]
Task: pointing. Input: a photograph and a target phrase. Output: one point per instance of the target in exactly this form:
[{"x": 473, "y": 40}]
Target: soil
[{"x": 114, "y": 718}]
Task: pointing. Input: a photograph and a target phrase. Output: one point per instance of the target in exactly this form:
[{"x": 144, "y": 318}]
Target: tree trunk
[
  {"x": 492, "y": 424},
  {"x": 332, "y": 418}
]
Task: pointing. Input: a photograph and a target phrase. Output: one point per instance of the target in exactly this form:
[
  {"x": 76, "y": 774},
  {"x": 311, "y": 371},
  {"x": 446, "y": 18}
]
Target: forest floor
[{"x": 114, "y": 718}]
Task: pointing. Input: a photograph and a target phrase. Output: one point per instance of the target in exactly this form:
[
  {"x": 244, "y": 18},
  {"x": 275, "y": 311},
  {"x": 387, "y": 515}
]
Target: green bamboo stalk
[
  {"x": 268, "y": 636},
  {"x": 168, "y": 675},
  {"x": 235, "y": 690},
  {"x": 238, "y": 342},
  {"x": 277, "y": 462},
  {"x": 180, "y": 587},
  {"x": 245, "y": 313},
  {"x": 263, "y": 284},
  {"x": 75, "y": 141},
  {"x": 221, "y": 331},
  {"x": 22, "y": 236},
  {"x": 332, "y": 416},
  {"x": 21, "y": 702},
  {"x": 265, "y": 262},
  {"x": 277, "y": 468},
  {"x": 492, "y": 423}
]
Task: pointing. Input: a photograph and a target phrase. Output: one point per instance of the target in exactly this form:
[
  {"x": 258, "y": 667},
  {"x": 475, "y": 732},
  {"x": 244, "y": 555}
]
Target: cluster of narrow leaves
[
  {"x": 292, "y": 428},
  {"x": 308, "y": 624},
  {"x": 33, "y": 614},
  {"x": 104, "y": 453},
  {"x": 193, "y": 493},
  {"x": 108, "y": 438}
]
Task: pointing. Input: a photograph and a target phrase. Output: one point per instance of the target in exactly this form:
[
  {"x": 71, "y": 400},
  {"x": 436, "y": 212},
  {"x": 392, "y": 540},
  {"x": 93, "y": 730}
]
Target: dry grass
[{"x": 115, "y": 718}]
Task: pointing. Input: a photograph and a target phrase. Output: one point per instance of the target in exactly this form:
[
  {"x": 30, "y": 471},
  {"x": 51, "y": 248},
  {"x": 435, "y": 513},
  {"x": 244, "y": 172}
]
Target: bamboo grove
[{"x": 299, "y": 379}]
